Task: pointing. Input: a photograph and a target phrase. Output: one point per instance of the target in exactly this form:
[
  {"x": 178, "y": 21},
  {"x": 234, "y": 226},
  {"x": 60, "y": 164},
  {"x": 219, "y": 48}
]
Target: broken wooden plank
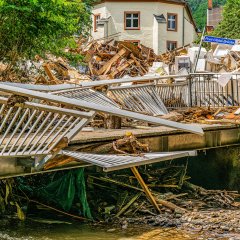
[
  {"x": 106, "y": 68},
  {"x": 142, "y": 69},
  {"x": 121, "y": 68},
  {"x": 145, "y": 188},
  {"x": 53, "y": 79}
]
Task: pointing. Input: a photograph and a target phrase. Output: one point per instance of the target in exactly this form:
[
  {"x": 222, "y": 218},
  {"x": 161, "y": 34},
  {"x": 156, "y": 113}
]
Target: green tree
[
  {"x": 30, "y": 27},
  {"x": 199, "y": 9},
  {"x": 230, "y": 25}
]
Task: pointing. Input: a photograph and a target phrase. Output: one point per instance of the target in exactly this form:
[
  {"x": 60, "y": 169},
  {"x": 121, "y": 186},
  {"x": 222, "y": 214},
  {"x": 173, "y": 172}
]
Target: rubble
[
  {"x": 170, "y": 186},
  {"x": 111, "y": 59},
  {"x": 115, "y": 59},
  {"x": 222, "y": 115}
]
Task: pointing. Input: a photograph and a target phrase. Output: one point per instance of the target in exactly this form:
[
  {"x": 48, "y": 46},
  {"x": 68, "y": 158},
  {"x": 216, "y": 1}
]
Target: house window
[
  {"x": 132, "y": 20},
  {"x": 96, "y": 18},
  {"x": 171, "y": 45},
  {"x": 135, "y": 42},
  {"x": 172, "y": 22}
]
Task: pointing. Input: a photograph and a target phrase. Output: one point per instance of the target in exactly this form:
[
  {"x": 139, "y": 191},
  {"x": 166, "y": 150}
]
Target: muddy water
[{"x": 42, "y": 229}]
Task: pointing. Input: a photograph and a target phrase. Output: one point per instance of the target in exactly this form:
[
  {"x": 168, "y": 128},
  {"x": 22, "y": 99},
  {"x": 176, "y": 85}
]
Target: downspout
[{"x": 183, "y": 22}]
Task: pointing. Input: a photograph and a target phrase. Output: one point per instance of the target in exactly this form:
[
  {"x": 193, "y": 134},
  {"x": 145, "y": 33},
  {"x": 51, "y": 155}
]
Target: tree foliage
[
  {"x": 199, "y": 9},
  {"x": 30, "y": 27},
  {"x": 230, "y": 25}
]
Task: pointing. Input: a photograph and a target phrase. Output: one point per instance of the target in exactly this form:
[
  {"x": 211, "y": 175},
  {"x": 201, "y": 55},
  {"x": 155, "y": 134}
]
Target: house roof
[
  {"x": 160, "y": 18},
  {"x": 180, "y": 2}
]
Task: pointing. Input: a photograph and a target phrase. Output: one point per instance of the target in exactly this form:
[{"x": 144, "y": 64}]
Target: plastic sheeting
[{"x": 64, "y": 190}]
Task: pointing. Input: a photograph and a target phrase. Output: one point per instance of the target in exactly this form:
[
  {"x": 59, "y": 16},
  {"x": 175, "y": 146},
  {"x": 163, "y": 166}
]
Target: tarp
[{"x": 63, "y": 190}]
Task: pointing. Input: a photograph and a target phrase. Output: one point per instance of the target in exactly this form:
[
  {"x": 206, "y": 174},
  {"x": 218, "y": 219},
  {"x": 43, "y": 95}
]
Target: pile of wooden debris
[
  {"x": 119, "y": 195},
  {"x": 115, "y": 59},
  {"x": 101, "y": 60},
  {"x": 58, "y": 71},
  {"x": 48, "y": 71},
  {"x": 222, "y": 115}
]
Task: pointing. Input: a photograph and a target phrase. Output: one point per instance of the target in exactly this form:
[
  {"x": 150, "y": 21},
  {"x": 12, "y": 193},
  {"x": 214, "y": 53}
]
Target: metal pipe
[{"x": 199, "y": 50}]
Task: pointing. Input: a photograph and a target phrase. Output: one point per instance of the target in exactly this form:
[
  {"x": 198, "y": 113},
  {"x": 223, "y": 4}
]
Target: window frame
[
  {"x": 95, "y": 19},
  {"x": 176, "y": 22},
  {"x": 125, "y": 20},
  {"x": 134, "y": 41},
  {"x": 175, "y": 42}
]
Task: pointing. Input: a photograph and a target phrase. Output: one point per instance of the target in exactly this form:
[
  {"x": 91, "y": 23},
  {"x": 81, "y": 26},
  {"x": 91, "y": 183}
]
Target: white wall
[
  {"x": 155, "y": 29},
  {"x": 145, "y": 35},
  {"x": 190, "y": 35}
]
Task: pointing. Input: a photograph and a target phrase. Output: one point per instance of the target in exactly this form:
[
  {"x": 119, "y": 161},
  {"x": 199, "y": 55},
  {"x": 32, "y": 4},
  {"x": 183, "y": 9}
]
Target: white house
[{"x": 158, "y": 24}]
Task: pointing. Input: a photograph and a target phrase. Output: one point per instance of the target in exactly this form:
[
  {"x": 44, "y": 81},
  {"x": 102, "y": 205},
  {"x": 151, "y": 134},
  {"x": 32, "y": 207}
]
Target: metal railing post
[
  {"x": 232, "y": 92},
  {"x": 190, "y": 90}
]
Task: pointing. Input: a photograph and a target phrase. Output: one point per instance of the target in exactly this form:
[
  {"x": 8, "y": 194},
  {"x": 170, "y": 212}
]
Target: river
[{"x": 42, "y": 229}]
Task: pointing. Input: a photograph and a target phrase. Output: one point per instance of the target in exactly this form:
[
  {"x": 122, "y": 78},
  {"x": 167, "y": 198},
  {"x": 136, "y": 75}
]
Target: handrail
[{"x": 100, "y": 108}]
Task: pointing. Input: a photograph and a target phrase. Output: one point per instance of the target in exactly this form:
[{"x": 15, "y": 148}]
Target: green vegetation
[
  {"x": 230, "y": 26},
  {"x": 31, "y": 27},
  {"x": 199, "y": 9}
]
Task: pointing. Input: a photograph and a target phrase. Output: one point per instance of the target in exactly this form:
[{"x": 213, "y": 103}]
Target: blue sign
[{"x": 219, "y": 40}]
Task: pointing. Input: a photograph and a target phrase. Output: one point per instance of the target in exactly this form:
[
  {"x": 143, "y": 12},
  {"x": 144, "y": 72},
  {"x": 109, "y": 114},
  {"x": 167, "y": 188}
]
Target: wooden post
[
  {"x": 113, "y": 122},
  {"x": 145, "y": 188},
  {"x": 48, "y": 72}
]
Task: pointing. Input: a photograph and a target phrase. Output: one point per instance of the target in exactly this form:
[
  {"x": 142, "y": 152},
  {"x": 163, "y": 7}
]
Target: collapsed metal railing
[
  {"x": 154, "y": 95},
  {"x": 32, "y": 129},
  {"x": 88, "y": 95},
  {"x": 177, "y": 91},
  {"x": 113, "y": 162},
  {"x": 42, "y": 128},
  {"x": 139, "y": 98}
]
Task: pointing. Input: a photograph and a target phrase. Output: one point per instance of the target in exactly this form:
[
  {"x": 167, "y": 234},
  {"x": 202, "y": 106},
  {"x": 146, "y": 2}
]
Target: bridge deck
[{"x": 167, "y": 139}]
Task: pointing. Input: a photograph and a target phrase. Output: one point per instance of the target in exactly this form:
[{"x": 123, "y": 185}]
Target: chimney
[{"x": 210, "y": 4}]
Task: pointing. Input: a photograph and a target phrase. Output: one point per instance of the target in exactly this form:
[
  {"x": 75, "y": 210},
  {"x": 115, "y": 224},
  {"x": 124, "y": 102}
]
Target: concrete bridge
[
  {"x": 217, "y": 139},
  {"x": 166, "y": 139}
]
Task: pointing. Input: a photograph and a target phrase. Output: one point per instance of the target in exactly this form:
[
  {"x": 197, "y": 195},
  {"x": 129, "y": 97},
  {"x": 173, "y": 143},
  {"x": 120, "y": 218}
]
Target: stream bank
[
  {"x": 120, "y": 208},
  {"x": 42, "y": 228}
]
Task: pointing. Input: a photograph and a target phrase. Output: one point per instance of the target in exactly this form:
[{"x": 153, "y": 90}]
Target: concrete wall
[
  {"x": 216, "y": 169},
  {"x": 151, "y": 33},
  {"x": 10, "y": 166}
]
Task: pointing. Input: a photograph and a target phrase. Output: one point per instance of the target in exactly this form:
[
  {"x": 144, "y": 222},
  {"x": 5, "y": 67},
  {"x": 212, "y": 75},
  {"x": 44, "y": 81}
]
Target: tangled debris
[
  {"x": 129, "y": 145},
  {"x": 122, "y": 196},
  {"x": 119, "y": 194},
  {"x": 115, "y": 59},
  {"x": 111, "y": 59},
  {"x": 207, "y": 115}
]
